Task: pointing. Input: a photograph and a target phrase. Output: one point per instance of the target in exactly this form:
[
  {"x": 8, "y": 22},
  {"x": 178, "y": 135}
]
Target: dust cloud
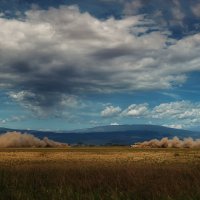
[
  {"x": 20, "y": 140},
  {"x": 169, "y": 143}
]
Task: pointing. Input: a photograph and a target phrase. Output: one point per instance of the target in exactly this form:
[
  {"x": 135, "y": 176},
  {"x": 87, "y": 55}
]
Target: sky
[{"x": 75, "y": 64}]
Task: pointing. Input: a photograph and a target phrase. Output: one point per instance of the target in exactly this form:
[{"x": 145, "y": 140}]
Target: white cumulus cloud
[
  {"x": 110, "y": 111},
  {"x": 136, "y": 110}
]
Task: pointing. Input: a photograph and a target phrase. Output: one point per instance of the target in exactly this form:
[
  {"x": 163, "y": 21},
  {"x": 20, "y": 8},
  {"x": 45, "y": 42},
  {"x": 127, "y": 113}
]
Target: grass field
[{"x": 99, "y": 173}]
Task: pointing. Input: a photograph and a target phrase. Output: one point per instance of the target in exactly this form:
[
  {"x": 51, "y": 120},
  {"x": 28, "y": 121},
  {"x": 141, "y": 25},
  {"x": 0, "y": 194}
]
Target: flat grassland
[{"x": 99, "y": 173}]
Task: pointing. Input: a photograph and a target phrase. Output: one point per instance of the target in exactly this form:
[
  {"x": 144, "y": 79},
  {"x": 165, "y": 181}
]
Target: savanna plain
[{"x": 99, "y": 173}]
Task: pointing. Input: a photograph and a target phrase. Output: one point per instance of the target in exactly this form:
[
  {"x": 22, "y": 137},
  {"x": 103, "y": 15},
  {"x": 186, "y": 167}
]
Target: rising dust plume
[
  {"x": 169, "y": 143},
  {"x": 19, "y": 140}
]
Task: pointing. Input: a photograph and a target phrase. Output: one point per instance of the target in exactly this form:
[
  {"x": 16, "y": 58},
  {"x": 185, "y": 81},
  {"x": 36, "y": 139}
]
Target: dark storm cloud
[
  {"x": 53, "y": 54},
  {"x": 113, "y": 52}
]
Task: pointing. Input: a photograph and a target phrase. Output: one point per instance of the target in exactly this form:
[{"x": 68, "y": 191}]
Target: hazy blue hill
[
  {"x": 142, "y": 127},
  {"x": 120, "y": 135}
]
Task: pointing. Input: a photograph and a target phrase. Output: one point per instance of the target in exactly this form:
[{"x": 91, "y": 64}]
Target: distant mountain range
[{"x": 111, "y": 135}]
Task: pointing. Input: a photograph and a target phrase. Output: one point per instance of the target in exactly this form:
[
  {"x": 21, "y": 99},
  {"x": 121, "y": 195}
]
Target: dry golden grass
[
  {"x": 99, "y": 173},
  {"x": 112, "y": 154}
]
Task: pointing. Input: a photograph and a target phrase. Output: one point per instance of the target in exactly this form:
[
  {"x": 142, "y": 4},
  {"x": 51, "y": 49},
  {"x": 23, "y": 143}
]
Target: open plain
[{"x": 98, "y": 173}]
